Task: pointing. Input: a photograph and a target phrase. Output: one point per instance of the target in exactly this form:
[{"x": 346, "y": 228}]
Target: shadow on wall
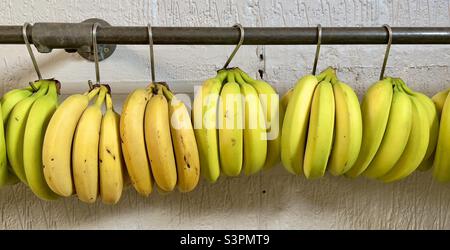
[{"x": 274, "y": 199}]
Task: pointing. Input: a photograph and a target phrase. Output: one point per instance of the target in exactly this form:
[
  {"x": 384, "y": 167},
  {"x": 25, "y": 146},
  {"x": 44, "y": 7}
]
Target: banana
[
  {"x": 255, "y": 136},
  {"x": 320, "y": 132},
  {"x": 159, "y": 141},
  {"x": 441, "y": 164},
  {"x": 274, "y": 115},
  {"x": 204, "y": 113},
  {"x": 12, "y": 97},
  {"x": 397, "y": 133},
  {"x": 375, "y": 111},
  {"x": 348, "y": 129},
  {"x": 416, "y": 147},
  {"x": 15, "y": 129},
  {"x": 184, "y": 144},
  {"x": 433, "y": 119},
  {"x": 295, "y": 124},
  {"x": 36, "y": 125},
  {"x": 133, "y": 140},
  {"x": 57, "y": 147},
  {"x": 4, "y": 173},
  {"x": 85, "y": 150},
  {"x": 439, "y": 100},
  {"x": 110, "y": 156},
  {"x": 230, "y": 127}
]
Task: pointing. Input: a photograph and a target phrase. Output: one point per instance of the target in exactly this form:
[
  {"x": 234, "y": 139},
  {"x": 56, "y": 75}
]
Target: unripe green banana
[
  {"x": 38, "y": 119},
  {"x": 15, "y": 130}
]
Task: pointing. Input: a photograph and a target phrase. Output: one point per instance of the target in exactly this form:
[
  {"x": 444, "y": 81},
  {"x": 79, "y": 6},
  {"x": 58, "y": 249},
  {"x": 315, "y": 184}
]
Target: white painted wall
[{"x": 273, "y": 199}]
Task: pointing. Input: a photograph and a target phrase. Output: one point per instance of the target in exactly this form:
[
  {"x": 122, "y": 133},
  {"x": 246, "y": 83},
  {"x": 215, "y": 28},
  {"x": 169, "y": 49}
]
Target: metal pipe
[{"x": 75, "y": 35}]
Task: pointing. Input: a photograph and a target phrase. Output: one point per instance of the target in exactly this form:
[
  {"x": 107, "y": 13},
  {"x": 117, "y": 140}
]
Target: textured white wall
[{"x": 273, "y": 199}]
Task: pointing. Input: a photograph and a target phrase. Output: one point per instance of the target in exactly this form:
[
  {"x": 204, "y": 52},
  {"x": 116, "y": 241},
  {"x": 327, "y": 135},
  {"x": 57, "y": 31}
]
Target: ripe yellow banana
[
  {"x": 416, "y": 147},
  {"x": 397, "y": 133},
  {"x": 133, "y": 140},
  {"x": 85, "y": 150},
  {"x": 320, "y": 132},
  {"x": 433, "y": 119},
  {"x": 274, "y": 115},
  {"x": 184, "y": 144},
  {"x": 204, "y": 113},
  {"x": 15, "y": 129},
  {"x": 439, "y": 100},
  {"x": 57, "y": 147},
  {"x": 40, "y": 114},
  {"x": 295, "y": 124},
  {"x": 4, "y": 173},
  {"x": 230, "y": 127},
  {"x": 110, "y": 156},
  {"x": 441, "y": 164},
  {"x": 348, "y": 129},
  {"x": 159, "y": 141},
  {"x": 255, "y": 135},
  {"x": 375, "y": 111}
]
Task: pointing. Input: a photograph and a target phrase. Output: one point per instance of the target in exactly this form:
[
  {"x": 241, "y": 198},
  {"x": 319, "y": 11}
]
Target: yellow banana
[
  {"x": 4, "y": 173},
  {"x": 184, "y": 144},
  {"x": 255, "y": 136},
  {"x": 439, "y": 100},
  {"x": 110, "y": 156},
  {"x": 375, "y": 111},
  {"x": 397, "y": 133},
  {"x": 295, "y": 124},
  {"x": 159, "y": 141},
  {"x": 348, "y": 129},
  {"x": 204, "y": 113},
  {"x": 85, "y": 150},
  {"x": 416, "y": 147},
  {"x": 433, "y": 119},
  {"x": 230, "y": 127},
  {"x": 57, "y": 147},
  {"x": 274, "y": 115},
  {"x": 320, "y": 132},
  {"x": 40, "y": 114},
  {"x": 133, "y": 140},
  {"x": 441, "y": 164},
  {"x": 15, "y": 129}
]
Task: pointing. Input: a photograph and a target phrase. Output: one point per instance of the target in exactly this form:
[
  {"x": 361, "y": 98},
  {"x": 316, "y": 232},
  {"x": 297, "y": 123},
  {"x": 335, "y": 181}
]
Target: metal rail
[{"x": 76, "y": 35}]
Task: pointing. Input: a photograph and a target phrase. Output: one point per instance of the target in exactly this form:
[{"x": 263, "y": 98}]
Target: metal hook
[
  {"x": 152, "y": 57},
  {"x": 388, "y": 48},
  {"x": 30, "y": 51},
  {"x": 319, "y": 41},
  {"x": 95, "y": 50},
  {"x": 241, "y": 41}
]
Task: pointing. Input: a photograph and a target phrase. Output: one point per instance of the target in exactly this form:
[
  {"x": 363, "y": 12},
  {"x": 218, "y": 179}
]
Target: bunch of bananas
[
  {"x": 441, "y": 164},
  {"x": 81, "y": 148},
  {"x": 322, "y": 127},
  {"x": 26, "y": 113},
  {"x": 158, "y": 141},
  {"x": 236, "y": 121},
  {"x": 400, "y": 132}
]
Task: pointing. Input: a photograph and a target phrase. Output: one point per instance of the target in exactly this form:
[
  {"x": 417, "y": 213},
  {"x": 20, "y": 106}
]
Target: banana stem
[
  {"x": 230, "y": 76},
  {"x": 101, "y": 96},
  {"x": 244, "y": 76},
  {"x": 109, "y": 103},
  {"x": 167, "y": 93},
  {"x": 91, "y": 94},
  {"x": 239, "y": 78},
  {"x": 43, "y": 88},
  {"x": 222, "y": 75},
  {"x": 52, "y": 90}
]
